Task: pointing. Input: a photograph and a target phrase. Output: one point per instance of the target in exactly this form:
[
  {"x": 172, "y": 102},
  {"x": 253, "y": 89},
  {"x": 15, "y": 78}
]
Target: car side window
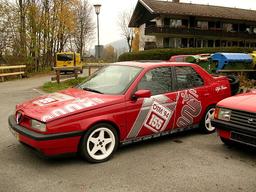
[
  {"x": 157, "y": 80},
  {"x": 187, "y": 78}
]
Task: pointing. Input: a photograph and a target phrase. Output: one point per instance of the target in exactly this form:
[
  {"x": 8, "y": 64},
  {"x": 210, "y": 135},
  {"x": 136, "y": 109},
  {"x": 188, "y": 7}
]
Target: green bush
[{"x": 165, "y": 54}]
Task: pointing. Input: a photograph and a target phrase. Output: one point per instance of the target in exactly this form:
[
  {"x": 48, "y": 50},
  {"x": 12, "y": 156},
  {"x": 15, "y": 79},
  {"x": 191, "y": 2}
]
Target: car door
[
  {"x": 192, "y": 97},
  {"x": 147, "y": 116}
]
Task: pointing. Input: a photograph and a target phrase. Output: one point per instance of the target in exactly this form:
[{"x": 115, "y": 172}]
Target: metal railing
[{"x": 150, "y": 30}]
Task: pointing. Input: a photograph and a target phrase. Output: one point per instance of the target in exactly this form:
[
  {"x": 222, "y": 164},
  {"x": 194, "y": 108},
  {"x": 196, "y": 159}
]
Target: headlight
[
  {"x": 223, "y": 114},
  {"x": 38, "y": 125}
]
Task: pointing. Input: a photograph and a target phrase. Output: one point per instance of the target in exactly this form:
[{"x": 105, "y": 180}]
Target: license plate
[{"x": 15, "y": 134}]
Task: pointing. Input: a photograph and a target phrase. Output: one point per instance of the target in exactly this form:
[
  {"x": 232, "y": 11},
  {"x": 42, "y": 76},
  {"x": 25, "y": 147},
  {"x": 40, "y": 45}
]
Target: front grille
[
  {"x": 243, "y": 138},
  {"x": 244, "y": 119}
]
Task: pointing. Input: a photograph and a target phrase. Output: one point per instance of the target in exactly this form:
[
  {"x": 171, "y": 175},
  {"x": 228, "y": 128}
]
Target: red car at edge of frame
[{"x": 235, "y": 119}]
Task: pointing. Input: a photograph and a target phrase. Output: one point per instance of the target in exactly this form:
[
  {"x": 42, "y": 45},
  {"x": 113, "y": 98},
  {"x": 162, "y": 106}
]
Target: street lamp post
[{"x": 97, "y": 11}]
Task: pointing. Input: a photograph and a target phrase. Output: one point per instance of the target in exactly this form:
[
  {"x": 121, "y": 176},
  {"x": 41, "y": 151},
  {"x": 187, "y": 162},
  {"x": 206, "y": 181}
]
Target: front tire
[
  {"x": 206, "y": 125},
  {"x": 99, "y": 143}
]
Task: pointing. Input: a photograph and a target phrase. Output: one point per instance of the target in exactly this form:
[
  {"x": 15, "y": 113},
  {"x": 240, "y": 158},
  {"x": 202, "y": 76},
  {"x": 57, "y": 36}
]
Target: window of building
[
  {"x": 202, "y": 24},
  {"x": 235, "y": 27},
  {"x": 241, "y": 44},
  {"x": 187, "y": 78},
  {"x": 166, "y": 42},
  {"x": 191, "y": 42},
  {"x": 227, "y": 27},
  {"x": 210, "y": 43},
  {"x": 211, "y": 24},
  {"x": 224, "y": 43},
  {"x": 166, "y": 22},
  {"x": 184, "y": 42},
  {"x": 176, "y": 22},
  {"x": 184, "y": 23},
  {"x": 234, "y": 43},
  {"x": 217, "y": 43},
  {"x": 254, "y": 30},
  {"x": 218, "y": 25},
  {"x": 158, "y": 81},
  {"x": 172, "y": 42},
  {"x": 199, "y": 43}
]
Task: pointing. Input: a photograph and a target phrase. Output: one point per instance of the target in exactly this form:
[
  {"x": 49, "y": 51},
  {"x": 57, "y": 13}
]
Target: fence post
[
  {"x": 76, "y": 73},
  {"x": 57, "y": 75}
]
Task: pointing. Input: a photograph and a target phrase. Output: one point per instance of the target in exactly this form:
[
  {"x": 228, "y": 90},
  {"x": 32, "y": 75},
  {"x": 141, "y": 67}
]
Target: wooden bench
[{"x": 5, "y": 71}]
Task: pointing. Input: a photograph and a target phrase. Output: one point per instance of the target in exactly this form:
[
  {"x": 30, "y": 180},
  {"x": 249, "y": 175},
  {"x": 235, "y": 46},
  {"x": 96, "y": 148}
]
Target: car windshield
[
  {"x": 113, "y": 79},
  {"x": 64, "y": 57}
]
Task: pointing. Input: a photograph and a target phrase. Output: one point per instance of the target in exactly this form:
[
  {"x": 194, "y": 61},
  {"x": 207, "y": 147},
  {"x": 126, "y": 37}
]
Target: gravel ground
[{"x": 184, "y": 162}]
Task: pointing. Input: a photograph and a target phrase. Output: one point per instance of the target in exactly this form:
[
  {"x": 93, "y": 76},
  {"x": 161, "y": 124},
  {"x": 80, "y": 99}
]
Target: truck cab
[{"x": 68, "y": 61}]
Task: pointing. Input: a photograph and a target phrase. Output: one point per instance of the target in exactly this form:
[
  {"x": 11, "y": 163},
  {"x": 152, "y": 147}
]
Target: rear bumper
[
  {"x": 48, "y": 144},
  {"x": 235, "y": 133}
]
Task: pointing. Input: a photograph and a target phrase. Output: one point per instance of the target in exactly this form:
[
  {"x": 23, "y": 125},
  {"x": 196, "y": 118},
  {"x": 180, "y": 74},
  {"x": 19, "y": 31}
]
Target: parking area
[{"x": 184, "y": 162}]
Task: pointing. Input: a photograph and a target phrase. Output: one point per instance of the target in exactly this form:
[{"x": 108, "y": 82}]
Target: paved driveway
[{"x": 184, "y": 162}]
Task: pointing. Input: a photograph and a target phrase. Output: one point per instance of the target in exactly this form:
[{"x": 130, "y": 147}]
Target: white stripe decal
[{"x": 147, "y": 103}]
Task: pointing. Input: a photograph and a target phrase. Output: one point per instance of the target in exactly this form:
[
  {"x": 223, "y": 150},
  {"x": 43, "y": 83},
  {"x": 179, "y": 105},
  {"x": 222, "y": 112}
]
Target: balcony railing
[{"x": 153, "y": 30}]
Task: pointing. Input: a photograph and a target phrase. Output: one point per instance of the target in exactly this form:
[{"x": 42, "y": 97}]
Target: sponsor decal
[
  {"x": 191, "y": 108},
  {"x": 156, "y": 112},
  {"x": 153, "y": 119},
  {"x": 158, "y": 117},
  {"x": 220, "y": 88},
  {"x": 76, "y": 105},
  {"x": 53, "y": 98}
]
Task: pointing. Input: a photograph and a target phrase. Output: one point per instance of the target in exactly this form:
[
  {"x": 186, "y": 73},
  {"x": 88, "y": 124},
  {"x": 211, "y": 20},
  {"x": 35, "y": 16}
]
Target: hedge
[{"x": 165, "y": 54}]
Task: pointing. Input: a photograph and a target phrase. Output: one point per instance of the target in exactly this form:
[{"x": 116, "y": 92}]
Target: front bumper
[
  {"x": 235, "y": 132},
  {"x": 48, "y": 144}
]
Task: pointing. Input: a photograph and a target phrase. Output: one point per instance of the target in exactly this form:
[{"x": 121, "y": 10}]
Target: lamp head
[{"x": 97, "y": 8}]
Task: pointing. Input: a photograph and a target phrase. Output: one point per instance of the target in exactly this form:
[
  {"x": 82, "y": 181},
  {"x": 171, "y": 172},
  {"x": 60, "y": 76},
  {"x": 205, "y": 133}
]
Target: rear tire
[
  {"x": 234, "y": 84},
  {"x": 227, "y": 141},
  {"x": 99, "y": 143},
  {"x": 205, "y": 124}
]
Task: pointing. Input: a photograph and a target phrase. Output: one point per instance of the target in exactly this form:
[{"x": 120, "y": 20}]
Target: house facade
[{"x": 171, "y": 24}]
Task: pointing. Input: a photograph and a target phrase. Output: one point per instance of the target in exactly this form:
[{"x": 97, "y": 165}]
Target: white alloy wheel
[
  {"x": 101, "y": 143},
  {"x": 207, "y": 120}
]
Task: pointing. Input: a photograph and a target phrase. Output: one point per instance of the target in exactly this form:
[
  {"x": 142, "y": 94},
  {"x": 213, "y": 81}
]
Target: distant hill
[{"x": 119, "y": 45}]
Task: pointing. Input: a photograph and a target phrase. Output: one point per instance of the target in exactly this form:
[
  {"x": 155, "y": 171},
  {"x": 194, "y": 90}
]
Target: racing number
[{"x": 156, "y": 122}]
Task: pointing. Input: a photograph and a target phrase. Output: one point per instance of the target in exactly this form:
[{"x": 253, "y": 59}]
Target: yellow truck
[{"x": 69, "y": 61}]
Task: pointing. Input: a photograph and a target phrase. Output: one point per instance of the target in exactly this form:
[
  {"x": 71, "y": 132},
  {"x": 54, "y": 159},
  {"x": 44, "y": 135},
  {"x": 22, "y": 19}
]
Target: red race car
[{"x": 119, "y": 104}]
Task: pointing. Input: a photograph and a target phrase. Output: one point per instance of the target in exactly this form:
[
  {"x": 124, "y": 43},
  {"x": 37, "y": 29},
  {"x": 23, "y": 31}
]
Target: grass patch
[{"x": 51, "y": 87}]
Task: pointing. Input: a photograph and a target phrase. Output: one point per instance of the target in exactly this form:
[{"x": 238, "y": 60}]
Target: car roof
[{"x": 152, "y": 63}]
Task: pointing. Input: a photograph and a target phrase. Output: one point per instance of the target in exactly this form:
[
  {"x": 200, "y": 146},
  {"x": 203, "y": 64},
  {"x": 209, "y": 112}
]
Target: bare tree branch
[{"x": 126, "y": 32}]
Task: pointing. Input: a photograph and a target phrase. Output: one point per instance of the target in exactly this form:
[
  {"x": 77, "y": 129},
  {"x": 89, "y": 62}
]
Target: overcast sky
[{"x": 109, "y": 30}]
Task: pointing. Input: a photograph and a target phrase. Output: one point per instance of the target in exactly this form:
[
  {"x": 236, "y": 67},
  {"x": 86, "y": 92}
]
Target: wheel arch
[
  {"x": 207, "y": 107},
  {"x": 114, "y": 125}
]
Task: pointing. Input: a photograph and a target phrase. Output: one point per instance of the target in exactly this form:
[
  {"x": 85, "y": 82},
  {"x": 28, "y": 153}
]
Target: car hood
[
  {"x": 60, "y": 104},
  {"x": 243, "y": 102}
]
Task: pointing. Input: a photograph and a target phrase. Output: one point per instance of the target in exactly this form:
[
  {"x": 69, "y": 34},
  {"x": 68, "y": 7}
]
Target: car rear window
[{"x": 187, "y": 77}]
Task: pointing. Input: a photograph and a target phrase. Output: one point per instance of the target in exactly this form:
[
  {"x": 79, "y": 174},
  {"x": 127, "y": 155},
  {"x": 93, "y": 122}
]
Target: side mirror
[{"x": 142, "y": 94}]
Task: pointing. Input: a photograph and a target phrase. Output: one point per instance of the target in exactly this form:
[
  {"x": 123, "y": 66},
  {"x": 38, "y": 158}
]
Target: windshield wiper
[{"x": 91, "y": 90}]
